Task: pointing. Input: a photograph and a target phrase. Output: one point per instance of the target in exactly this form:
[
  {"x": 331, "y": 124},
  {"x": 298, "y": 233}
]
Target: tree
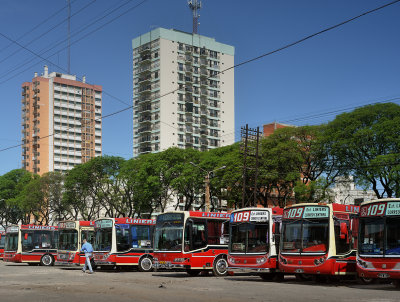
[
  {"x": 93, "y": 186},
  {"x": 11, "y": 184},
  {"x": 367, "y": 143},
  {"x": 226, "y": 184}
]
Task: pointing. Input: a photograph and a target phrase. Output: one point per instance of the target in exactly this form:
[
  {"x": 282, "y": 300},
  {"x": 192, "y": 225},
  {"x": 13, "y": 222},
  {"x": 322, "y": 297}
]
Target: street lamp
[{"x": 207, "y": 183}]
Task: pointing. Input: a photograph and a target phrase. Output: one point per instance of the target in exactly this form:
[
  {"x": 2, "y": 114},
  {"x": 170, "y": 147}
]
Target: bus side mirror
[
  {"x": 343, "y": 230},
  {"x": 26, "y": 236}
]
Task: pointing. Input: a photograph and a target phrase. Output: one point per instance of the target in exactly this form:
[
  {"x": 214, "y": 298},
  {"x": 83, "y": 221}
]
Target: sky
[{"x": 353, "y": 65}]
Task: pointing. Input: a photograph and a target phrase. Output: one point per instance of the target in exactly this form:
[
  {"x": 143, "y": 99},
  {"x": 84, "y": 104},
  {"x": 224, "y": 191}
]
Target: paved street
[{"x": 20, "y": 282}]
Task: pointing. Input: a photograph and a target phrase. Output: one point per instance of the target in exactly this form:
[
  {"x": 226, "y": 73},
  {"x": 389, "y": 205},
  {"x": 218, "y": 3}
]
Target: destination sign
[
  {"x": 393, "y": 208},
  {"x": 373, "y": 209},
  {"x": 12, "y": 229},
  {"x": 307, "y": 212},
  {"x": 104, "y": 223},
  {"x": 253, "y": 216},
  {"x": 66, "y": 225}
]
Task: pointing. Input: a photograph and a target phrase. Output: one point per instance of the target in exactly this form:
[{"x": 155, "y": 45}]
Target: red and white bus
[
  {"x": 192, "y": 241},
  {"x": 379, "y": 240},
  {"x": 254, "y": 241},
  {"x": 319, "y": 240},
  {"x": 2, "y": 243},
  {"x": 71, "y": 235},
  {"x": 124, "y": 242},
  {"x": 32, "y": 244}
]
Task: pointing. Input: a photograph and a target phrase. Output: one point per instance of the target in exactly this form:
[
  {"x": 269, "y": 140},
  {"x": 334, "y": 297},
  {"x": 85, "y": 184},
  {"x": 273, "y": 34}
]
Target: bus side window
[
  {"x": 214, "y": 231},
  {"x": 199, "y": 235},
  {"x": 342, "y": 240}
]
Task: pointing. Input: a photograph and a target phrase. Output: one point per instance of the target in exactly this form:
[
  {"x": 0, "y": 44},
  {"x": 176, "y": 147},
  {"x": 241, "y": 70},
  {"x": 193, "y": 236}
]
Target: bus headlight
[
  {"x": 261, "y": 260},
  {"x": 71, "y": 256},
  {"x": 231, "y": 260},
  {"x": 319, "y": 261},
  {"x": 362, "y": 263}
]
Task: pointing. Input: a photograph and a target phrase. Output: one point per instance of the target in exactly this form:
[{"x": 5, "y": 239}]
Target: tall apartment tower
[
  {"x": 61, "y": 122},
  {"x": 181, "y": 97}
]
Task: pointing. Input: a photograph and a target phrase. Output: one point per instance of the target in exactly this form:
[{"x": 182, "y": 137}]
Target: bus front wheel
[
  {"x": 367, "y": 281},
  {"x": 47, "y": 260},
  {"x": 220, "y": 267},
  {"x": 145, "y": 264}
]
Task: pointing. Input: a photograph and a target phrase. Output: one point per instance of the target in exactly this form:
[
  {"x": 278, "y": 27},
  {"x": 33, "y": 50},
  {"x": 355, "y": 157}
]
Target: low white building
[{"x": 345, "y": 192}]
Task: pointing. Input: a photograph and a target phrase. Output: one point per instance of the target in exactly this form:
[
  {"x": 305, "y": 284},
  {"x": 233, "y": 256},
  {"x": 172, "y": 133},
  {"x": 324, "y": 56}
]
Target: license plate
[
  {"x": 299, "y": 271},
  {"x": 383, "y": 275}
]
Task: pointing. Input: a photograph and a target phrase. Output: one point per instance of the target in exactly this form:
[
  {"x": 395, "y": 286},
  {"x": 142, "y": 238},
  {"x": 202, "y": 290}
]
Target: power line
[
  {"x": 46, "y": 32},
  {"x": 47, "y": 49},
  {"x": 218, "y": 72},
  {"x": 36, "y": 26}
]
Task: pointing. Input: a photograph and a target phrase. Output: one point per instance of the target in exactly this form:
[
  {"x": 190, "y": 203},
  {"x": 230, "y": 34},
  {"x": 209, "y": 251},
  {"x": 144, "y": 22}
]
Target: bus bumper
[
  {"x": 251, "y": 270},
  {"x": 169, "y": 265}
]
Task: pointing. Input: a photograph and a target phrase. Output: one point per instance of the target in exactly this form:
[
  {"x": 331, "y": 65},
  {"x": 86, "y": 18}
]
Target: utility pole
[
  {"x": 207, "y": 197},
  {"x": 207, "y": 178},
  {"x": 250, "y": 151}
]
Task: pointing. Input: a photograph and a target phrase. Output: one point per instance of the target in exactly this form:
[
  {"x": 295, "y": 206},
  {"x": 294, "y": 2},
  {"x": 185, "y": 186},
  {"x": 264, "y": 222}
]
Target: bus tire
[
  {"x": 193, "y": 272},
  {"x": 145, "y": 264},
  {"x": 47, "y": 260},
  {"x": 220, "y": 267},
  {"x": 367, "y": 281}
]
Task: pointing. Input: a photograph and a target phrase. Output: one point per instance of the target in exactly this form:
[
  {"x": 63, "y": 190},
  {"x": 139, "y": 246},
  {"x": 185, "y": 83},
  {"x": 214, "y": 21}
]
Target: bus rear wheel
[
  {"x": 220, "y": 267},
  {"x": 47, "y": 260},
  {"x": 145, "y": 264}
]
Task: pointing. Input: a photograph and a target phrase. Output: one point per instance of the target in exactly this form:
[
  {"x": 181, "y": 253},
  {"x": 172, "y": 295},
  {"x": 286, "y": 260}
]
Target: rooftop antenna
[
  {"x": 69, "y": 36},
  {"x": 195, "y": 6}
]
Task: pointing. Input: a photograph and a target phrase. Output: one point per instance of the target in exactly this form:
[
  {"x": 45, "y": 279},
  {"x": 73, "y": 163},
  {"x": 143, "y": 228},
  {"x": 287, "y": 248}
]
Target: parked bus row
[{"x": 306, "y": 240}]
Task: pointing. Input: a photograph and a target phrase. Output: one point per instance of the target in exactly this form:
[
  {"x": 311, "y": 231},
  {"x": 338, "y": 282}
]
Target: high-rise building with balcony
[
  {"x": 61, "y": 122},
  {"x": 181, "y": 95}
]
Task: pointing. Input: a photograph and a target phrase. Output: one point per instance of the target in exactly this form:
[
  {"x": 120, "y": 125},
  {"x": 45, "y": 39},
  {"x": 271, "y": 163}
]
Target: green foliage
[
  {"x": 11, "y": 184},
  {"x": 367, "y": 144}
]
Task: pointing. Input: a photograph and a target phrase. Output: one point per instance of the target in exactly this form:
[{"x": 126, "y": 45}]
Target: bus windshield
[
  {"x": 372, "y": 236},
  {"x": 249, "y": 238},
  {"x": 305, "y": 236},
  {"x": 68, "y": 240},
  {"x": 38, "y": 240},
  {"x": 169, "y": 232},
  {"x": 11, "y": 242},
  {"x": 103, "y": 239}
]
